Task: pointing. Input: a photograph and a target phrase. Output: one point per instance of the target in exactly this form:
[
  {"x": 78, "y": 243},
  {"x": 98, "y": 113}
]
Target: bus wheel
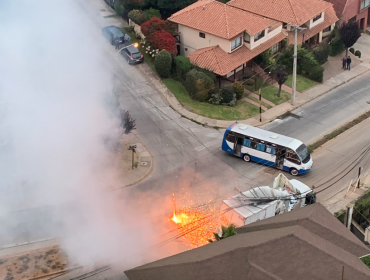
[
  {"x": 294, "y": 171},
  {"x": 246, "y": 158}
]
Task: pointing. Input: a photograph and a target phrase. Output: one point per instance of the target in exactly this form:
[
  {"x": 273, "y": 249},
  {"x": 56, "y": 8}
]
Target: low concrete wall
[{"x": 137, "y": 28}]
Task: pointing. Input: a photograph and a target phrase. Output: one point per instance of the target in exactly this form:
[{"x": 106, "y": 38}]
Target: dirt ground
[{"x": 33, "y": 264}]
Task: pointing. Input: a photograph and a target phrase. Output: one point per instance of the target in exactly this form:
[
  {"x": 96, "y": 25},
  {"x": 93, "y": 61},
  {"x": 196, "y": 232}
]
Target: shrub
[
  {"x": 119, "y": 7},
  {"x": 164, "y": 40},
  {"x": 149, "y": 27},
  {"x": 151, "y": 13},
  {"x": 183, "y": 66},
  {"x": 317, "y": 73},
  {"x": 307, "y": 62},
  {"x": 228, "y": 96},
  {"x": 321, "y": 53},
  {"x": 238, "y": 89},
  {"x": 358, "y": 53},
  {"x": 208, "y": 72},
  {"x": 352, "y": 50},
  {"x": 137, "y": 16},
  {"x": 162, "y": 63},
  {"x": 199, "y": 85},
  {"x": 336, "y": 46},
  {"x": 216, "y": 97}
]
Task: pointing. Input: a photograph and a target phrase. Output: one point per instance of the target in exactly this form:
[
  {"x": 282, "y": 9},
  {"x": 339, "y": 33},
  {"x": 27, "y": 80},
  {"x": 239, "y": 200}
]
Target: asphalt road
[{"x": 188, "y": 160}]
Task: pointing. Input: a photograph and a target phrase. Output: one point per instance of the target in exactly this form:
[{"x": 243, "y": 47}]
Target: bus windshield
[{"x": 303, "y": 153}]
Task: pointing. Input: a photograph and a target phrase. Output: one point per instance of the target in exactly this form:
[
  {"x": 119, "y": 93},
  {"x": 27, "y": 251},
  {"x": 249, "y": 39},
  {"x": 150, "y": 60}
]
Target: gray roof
[{"x": 307, "y": 243}]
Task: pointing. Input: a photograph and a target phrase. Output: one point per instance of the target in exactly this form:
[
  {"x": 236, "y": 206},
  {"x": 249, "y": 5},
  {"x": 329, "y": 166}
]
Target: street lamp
[
  {"x": 134, "y": 44},
  {"x": 132, "y": 148}
]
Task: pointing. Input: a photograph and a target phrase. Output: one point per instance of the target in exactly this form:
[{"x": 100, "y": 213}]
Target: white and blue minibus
[{"x": 268, "y": 148}]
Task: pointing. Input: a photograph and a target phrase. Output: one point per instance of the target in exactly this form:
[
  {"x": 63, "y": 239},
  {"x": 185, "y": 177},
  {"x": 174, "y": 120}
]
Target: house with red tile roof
[
  {"x": 226, "y": 37},
  {"x": 353, "y": 10}
]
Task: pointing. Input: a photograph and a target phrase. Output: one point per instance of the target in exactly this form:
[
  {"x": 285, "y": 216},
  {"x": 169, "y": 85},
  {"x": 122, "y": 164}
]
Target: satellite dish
[
  {"x": 274, "y": 136},
  {"x": 243, "y": 126}
]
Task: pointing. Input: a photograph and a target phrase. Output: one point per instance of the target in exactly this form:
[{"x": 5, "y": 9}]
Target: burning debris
[{"x": 196, "y": 225}]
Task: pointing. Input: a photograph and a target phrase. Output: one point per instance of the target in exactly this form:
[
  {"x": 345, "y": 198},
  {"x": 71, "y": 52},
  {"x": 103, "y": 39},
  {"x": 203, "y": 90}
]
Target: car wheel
[
  {"x": 247, "y": 158},
  {"x": 294, "y": 171},
  {"x": 128, "y": 60}
]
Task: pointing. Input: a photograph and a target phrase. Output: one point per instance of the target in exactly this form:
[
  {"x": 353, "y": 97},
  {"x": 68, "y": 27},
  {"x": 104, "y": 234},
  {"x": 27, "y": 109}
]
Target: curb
[{"x": 182, "y": 108}]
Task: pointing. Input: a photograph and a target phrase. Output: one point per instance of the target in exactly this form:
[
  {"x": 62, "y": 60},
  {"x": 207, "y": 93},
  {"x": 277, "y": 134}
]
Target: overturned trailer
[{"x": 265, "y": 202}]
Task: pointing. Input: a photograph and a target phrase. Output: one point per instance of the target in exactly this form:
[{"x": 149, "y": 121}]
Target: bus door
[
  {"x": 280, "y": 157},
  {"x": 238, "y": 145}
]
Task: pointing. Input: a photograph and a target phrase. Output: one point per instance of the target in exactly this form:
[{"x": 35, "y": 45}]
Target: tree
[
  {"x": 281, "y": 76},
  {"x": 119, "y": 7},
  {"x": 225, "y": 232},
  {"x": 349, "y": 33},
  {"x": 164, "y": 40},
  {"x": 127, "y": 121},
  {"x": 169, "y": 7},
  {"x": 154, "y": 24}
]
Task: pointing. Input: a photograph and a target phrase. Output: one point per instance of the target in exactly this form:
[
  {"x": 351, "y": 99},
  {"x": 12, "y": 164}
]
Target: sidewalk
[
  {"x": 142, "y": 158},
  {"x": 348, "y": 195}
]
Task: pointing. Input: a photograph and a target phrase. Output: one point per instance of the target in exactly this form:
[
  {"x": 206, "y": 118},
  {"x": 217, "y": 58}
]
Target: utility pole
[
  {"x": 294, "y": 82},
  {"x": 132, "y": 148}
]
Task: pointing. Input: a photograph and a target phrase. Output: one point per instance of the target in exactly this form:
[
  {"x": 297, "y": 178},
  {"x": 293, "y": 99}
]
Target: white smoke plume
[{"x": 54, "y": 116}]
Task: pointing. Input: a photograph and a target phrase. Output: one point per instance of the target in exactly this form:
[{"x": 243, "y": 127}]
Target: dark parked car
[
  {"x": 132, "y": 54},
  {"x": 113, "y": 34}
]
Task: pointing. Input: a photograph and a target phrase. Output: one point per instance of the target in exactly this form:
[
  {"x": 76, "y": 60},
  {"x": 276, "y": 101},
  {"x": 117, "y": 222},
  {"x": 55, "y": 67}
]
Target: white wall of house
[
  {"x": 190, "y": 40},
  {"x": 310, "y": 24},
  {"x": 268, "y": 35}
]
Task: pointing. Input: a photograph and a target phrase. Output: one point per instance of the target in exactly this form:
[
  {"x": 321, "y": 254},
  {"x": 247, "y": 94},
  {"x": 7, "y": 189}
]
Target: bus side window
[
  {"x": 261, "y": 147},
  {"x": 270, "y": 149},
  {"x": 247, "y": 143},
  {"x": 254, "y": 144},
  {"x": 230, "y": 137}
]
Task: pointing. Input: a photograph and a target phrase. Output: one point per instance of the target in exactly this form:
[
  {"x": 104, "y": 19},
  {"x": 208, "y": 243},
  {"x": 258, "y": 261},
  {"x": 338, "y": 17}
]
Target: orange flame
[{"x": 195, "y": 226}]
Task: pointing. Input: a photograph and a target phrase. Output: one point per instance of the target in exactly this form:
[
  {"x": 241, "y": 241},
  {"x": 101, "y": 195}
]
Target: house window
[
  {"x": 202, "y": 35},
  {"x": 317, "y": 17},
  {"x": 275, "y": 48},
  {"x": 236, "y": 43},
  {"x": 327, "y": 29},
  {"x": 365, "y": 4},
  {"x": 259, "y": 35},
  {"x": 247, "y": 38}
]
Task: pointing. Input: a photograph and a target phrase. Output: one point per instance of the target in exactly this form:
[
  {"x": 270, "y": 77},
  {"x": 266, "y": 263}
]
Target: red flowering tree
[
  {"x": 149, "y": 27},
  {"x": 164, "y": 40}
]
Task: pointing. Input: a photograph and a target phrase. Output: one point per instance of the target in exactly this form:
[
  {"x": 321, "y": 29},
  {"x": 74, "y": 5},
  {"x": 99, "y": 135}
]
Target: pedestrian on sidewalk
[
  {"x": 344, "y": 62},
  {"x": 349, "y": 60}
]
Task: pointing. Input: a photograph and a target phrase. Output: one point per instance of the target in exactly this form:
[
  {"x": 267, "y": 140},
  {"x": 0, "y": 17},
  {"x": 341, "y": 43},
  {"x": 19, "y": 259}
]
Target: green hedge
[
  {"x": 162, "y": 63},
  {"x": 228, "y": 96},
  {"x": 199, "y": 85},
  {"x": 317, "y": 73},
  {"x": 208, "y": 72},
  {"x": 336, "y": 46},
  {"x": 183, "y": 66},
  {"x": 321, "y": 53},
  {"x": 352, "y": 50},
  {"x": 119, "y": 7},
  {"x": 358, "y": 53}
]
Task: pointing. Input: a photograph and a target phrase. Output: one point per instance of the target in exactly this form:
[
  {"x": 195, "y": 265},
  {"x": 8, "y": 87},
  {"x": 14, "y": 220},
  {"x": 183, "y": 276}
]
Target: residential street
[{"x": 188, "y": 160}]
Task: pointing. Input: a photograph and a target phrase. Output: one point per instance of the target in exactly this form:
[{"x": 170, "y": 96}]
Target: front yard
[
  {"x": 270, "y": 93},
  {"x": 302, "y": 83},
  {"x": 242, "y": 110}
]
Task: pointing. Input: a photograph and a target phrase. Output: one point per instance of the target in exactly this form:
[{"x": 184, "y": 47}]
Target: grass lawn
[
  {"x": 243, "y": 110},
  {"x": 148, "y": 59},
  {"x": 302, "y": 83},
  {"x": 257, "y": 100},
  {"x": 270, "y": 93}
]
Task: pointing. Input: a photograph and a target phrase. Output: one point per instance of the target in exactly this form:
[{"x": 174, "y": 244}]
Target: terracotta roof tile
[
  {"x": 288, "y": 11},
  {"x": 220, "y": 19},
  {"x": 221, "y": 63},
  {"x": 329, "y": 19}
]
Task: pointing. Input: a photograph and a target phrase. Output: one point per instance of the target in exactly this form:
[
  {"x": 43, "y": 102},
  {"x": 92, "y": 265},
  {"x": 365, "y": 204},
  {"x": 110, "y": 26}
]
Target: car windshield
[
  {"x": 136, "y": 55},
  {"x": 116, "y": 31},
  {"x": 303, "y": 153}
]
